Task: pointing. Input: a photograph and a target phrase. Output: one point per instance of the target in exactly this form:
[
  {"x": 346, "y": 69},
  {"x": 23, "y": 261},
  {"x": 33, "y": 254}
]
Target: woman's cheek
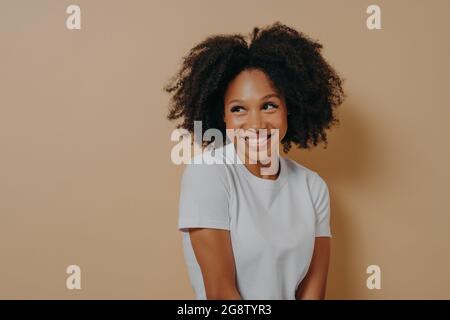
[{"x": 235, "y": 122}]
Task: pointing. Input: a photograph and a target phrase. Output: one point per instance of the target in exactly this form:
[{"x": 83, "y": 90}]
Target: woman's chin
[
  {"x": 257, "y": 153},
  {"x": 263, "y": 157}
]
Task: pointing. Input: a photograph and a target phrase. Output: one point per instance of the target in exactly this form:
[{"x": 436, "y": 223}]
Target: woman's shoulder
[
  {"x": 202, "y": 171},
  {"x": 302, "y": 171},
  {"x": 297, "y": 167}
]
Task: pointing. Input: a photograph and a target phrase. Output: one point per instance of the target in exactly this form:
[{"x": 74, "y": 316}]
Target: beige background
[{"x": 85, "y": 170}]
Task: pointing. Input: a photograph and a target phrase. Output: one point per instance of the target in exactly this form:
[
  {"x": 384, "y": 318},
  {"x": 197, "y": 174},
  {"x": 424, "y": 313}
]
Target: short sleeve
[
  {"x": 204, "y": 197},
  {"x": 321, "y": 201}
]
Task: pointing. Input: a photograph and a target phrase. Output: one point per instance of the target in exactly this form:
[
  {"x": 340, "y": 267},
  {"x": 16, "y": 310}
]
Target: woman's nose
[{"x": 255, "y": 121}]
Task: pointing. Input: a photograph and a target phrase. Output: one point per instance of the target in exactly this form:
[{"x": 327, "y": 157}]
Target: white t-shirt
[{"x": 272, "y": 223}]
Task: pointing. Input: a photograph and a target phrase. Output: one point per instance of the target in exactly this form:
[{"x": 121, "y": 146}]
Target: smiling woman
[
  {"x": 252, "y": 104},
  {"x": 249, "y": 234}
]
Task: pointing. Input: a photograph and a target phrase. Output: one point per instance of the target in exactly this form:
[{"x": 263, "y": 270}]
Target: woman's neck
[
  {"x": 262, "y": 170},
  {"x": 258, "y": 169}
]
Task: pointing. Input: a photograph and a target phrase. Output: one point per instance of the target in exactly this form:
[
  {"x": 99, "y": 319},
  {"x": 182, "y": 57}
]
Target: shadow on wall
[{"x": 343, "y": 164}]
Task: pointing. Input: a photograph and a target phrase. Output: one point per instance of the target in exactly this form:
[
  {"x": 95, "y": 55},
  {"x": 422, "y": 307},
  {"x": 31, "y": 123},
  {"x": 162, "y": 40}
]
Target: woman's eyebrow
[
  {"x": 235, "y": 100},
  {"x": 270, "y": 95}
]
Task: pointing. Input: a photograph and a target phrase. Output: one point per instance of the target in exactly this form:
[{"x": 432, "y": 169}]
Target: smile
[{"x": 262, "y": 140}]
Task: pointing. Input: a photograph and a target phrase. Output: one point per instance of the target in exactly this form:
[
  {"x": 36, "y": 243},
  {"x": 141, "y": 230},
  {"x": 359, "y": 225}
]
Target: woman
[{"x": 249, "y": 235}]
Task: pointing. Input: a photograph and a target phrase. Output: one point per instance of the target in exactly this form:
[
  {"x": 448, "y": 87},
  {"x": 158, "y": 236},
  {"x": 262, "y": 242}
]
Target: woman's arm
[
  {"x": 313, "y": 286},
  {"x": 212, "y": 248}
]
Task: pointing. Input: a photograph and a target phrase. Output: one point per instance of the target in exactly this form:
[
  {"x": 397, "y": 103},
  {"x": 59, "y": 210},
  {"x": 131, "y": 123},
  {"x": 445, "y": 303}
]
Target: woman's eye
[
  {"x": 237, "y": 109},
  {"x": 270, "y": 106}
]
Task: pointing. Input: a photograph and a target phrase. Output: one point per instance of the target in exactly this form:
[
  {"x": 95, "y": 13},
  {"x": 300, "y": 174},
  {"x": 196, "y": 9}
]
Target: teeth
[{"x": 256, "y": 140}]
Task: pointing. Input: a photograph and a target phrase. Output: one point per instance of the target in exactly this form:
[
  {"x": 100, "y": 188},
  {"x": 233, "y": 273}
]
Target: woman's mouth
[{"x": 258, "y": 141}]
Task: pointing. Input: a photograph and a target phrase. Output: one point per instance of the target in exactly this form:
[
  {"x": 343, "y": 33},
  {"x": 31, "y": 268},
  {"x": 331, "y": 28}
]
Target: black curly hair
[{"x": 292, "y": 61}]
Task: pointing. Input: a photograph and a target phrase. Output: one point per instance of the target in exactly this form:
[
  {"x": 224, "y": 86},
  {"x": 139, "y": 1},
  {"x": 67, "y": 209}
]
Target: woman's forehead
[{"x": 251, "y": 84}]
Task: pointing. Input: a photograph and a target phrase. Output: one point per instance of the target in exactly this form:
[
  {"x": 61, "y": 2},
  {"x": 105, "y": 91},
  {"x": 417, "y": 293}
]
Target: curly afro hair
[{"x": 293, "y": 62}]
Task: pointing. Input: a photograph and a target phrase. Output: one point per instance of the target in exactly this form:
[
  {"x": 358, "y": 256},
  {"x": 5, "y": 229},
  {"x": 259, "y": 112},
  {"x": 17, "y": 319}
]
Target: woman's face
[{"x": 251, "y": 104}]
